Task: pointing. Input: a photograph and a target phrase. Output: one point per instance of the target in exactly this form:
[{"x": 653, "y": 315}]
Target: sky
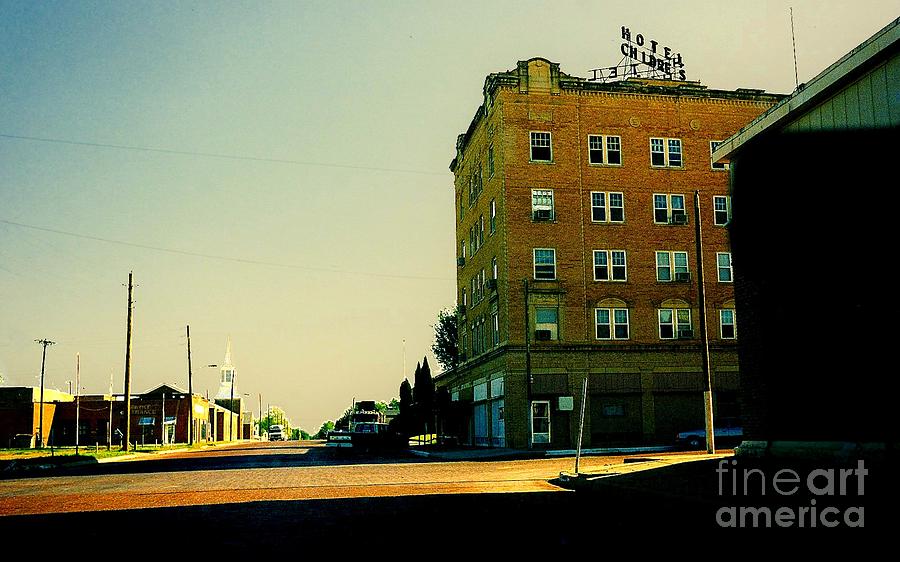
[{"x": 277, "y": 172}]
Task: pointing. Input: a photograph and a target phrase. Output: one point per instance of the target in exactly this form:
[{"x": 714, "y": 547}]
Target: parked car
[
  {"x": 276, "y": 433},
  {"x": 728, "y": 432}
]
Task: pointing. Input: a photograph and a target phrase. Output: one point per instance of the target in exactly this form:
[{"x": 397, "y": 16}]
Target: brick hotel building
[{"x": 576, "y": 258}]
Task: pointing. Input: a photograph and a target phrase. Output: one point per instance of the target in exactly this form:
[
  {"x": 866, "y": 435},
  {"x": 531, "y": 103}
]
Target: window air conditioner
[
  {"x": 542, "y": 335},
  {"x": 542, "y": 214},
  {"x": 686, "y": 334},
  {"x": 460, "y": 261},
  {"x": 679, "y": 218},
  {"x": 683, "y": 277},
  {"x": 492, "y": 284}
]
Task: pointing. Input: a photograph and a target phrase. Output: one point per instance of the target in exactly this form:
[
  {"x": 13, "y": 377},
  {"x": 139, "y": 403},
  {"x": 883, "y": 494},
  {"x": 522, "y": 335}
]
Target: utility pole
[
  {"x": 704, "y": 340},
  {"x": 44, "y": 342},
  {"x": 190, "y": 432},
  {"x": 126, "y": 441},
  {"x": 231, "y": 410},
  {"x": 77, "y": 400},
  {"x": 528, "y": 407},
  {"x": 259, "y": 431},
  {"x": 109, "y": 428},
  {"x": 162, "y": 425}
]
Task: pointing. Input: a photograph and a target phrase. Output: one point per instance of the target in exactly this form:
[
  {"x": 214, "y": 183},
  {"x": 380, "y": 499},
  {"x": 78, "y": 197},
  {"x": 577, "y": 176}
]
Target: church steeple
[{"x": 226, "y": 374}]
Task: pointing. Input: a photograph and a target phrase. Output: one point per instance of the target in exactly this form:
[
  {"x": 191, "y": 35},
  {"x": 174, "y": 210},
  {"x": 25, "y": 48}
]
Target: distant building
[
  {"x": 20, "y": 408},
  {"x": 812, "y": 192},
  {"x": 576, "y": 258},
  {"x": 227, "y": 396}
]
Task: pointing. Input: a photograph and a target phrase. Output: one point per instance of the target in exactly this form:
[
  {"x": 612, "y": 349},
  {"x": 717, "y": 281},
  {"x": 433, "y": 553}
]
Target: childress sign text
[{"x": 642, "y": 57}]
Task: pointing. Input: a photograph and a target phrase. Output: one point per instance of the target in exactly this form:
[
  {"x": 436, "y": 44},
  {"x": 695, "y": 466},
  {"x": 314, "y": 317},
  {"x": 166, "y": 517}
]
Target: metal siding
[
  {"x": 892, "y": 74},
  {"x": 866, "y": 106},
  {"x": 851, "y": 101},
  {"x": 880, "y": 103},
  {"x": 840, "y": 111},
  {"x": 827, "y": 113}
]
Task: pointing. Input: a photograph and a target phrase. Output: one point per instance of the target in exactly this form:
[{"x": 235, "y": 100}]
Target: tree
[
  {"x": 323, "y": 431},
  {"x": 423, "y": 393},
  {"x": 274, "y": 416},
  {"x": 446, "y": 339}
]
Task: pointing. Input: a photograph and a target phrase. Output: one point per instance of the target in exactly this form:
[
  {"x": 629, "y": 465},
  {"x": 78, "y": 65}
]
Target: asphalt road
[{"x": 265, "y": 496}]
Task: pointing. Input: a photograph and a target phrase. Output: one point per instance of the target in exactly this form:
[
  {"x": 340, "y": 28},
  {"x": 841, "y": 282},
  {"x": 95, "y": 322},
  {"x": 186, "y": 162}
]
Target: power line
[
  {"x": 217, "y": 155},
  {"x": 222, "y": 258}
]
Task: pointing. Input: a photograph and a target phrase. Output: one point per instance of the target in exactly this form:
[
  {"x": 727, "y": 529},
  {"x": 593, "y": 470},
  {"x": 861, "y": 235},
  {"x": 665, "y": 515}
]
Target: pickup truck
[{"x": 366, "y": 436}]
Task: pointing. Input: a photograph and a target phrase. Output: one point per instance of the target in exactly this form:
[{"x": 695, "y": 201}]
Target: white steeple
[{"x": 227, "y": 374}]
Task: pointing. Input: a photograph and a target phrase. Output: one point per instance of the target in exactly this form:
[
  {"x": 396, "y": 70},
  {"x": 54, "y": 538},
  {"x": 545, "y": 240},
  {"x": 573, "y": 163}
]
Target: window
[
  {"x": 724, "y": 267},
  {"x": 546, "y": 323},
  {"x": 494, "y": 268},
  {"x": 665, "y": 153},
  {"x": 672, "y": 266},
  {"x": 607, "y": 207},
  {"x": 675, "y": 323},
  {"x": 721, "y": 209},
  {"x": 611, "y": 154},
  {"x": 463, "y": 298},
  {"x": 472, "y": 241},
  {"x": 668, "y": 208},
  {"x": 491, "y": 161},
  {"x": 611, "y": 323},
  {"x": 481, "y": 231},
  {"x": 495, "y": 327},
  {"x": 616, "y": 410},
  {"x": 493, "y": 219},
  {"x": 541, "y": 150},
  {"x": 540, "y": 421},
  {"x": 727, "y": 326},
  {"x": 542, "y": 204},
  {"x": 713, "y": 145},
  {"x": 610, "y": 265},
  {"x": 545, "y": 263},
  {"x": 462, "y": 249}
]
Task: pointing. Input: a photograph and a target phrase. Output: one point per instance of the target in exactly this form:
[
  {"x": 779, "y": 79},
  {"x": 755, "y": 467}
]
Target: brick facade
[{"x": 641, "y": 388}]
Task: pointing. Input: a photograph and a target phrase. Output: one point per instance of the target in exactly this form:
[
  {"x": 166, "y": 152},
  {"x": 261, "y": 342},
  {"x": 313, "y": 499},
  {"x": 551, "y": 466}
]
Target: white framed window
[
  {"x": 610, "y": 265},
  {"x": 668, "y": 208},
  {"x": 463, "y": 298},
  {"x": 493, "y": 216},
  {"x": 611, "y": 323},
  {"x": 541, "y": 149},
  {"x": 494, "y": 268},
  {"x": 665, "y": 153},
  {"x": 545, "y": 264},
  {"x": 605, "y": 150},
  {"x": 721, "y": 209},
  {"x": 672, "y": 266},
  {"x": 491, "y": 161},
  {"x": 540, "y": 421},
  {"x": 727, "y": 325},
  {"x": 495, "y": 328},
  {"x": 542, "y": 205},
  {"x": 546, "y": 323},
  {"x": 462, "y": 249},
  {"x": 607, "y": 206},
  {"x": 723, "y": 261},
  {"x": 675, "y": 323},
  {"x": 713, "y": 145},
  {"x": 481, "y": 231}
]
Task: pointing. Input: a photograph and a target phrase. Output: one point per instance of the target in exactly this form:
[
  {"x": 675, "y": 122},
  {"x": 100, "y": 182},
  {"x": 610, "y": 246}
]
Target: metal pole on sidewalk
[{"x": 581, "y": 423}]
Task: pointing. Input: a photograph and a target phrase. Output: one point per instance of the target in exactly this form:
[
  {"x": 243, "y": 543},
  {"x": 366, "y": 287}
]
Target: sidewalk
[{"x": 504, "y": 453}]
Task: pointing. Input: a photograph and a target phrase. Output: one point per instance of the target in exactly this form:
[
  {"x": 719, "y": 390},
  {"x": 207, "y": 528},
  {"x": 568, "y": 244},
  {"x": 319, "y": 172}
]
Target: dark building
[{"x": 811, "y": 187}]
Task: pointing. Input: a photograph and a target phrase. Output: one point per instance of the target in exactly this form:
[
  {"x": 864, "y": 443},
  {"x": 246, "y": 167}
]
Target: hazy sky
[{"x": 335, "y": 207}]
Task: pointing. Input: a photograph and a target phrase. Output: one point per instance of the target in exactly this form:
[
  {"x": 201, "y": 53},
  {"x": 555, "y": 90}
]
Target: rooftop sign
[{"x": 641, "y": 57}]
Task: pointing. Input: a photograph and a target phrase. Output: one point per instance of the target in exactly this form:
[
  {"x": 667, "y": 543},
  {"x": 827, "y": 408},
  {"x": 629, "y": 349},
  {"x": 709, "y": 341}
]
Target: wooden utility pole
[
  {"x": 528, "y": 381},
  {"x": 127, "y": 439},
  {"x": 109, "y": 428},
  {"x": 77, "y": 400},
  {"x": 40, "y": 441},
  {"x": 190, "y": 432},
  {"x": 704, "y": 339}
]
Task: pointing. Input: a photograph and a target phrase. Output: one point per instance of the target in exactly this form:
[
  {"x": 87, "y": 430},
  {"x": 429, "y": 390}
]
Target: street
[{"x": 265, "y": 494}]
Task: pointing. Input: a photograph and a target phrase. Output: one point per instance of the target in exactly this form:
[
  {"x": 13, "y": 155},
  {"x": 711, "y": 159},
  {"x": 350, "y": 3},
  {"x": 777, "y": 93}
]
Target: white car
[{"x": 276, "y": 433}]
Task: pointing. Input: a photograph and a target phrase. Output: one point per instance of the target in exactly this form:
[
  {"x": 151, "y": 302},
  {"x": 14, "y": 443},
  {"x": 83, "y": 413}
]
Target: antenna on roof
[{"x": 794, "y": 45}]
